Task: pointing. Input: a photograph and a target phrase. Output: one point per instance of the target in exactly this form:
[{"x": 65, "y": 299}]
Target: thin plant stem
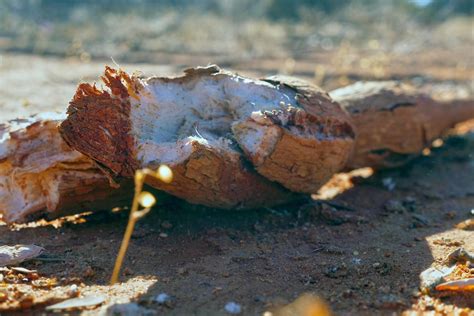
[
  {"x": 135, "y": 214},
  {"x": 139, "y": 178}
]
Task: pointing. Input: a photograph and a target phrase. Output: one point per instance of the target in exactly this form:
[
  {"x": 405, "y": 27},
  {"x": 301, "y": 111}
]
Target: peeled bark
[
  {"x": 394, "y": 123},
  {"x": 199, "y": 123},
  {"x": 231, "y": 141},
  {"x": 302, "y": 145},
  {"x": 41, "y": 176}
]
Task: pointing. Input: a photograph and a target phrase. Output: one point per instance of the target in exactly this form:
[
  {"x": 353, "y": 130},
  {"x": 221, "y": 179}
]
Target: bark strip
[
  {"x": 41, "y": 176},
  {"x": 394, "y": 122}
]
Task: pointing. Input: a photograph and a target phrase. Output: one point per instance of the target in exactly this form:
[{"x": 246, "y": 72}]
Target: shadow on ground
[{"x": 363, "y": 254}]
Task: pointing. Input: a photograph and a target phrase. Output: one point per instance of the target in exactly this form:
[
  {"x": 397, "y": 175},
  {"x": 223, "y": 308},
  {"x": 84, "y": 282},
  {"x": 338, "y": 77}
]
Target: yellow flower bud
[
  {"x": 146, "y": 199},
  {"x": 165, "y": 174}
]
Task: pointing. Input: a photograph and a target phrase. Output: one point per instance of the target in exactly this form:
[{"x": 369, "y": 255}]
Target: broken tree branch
[
  {"x": 394, "y": 122},
  {"x": 41, "y": 176}
]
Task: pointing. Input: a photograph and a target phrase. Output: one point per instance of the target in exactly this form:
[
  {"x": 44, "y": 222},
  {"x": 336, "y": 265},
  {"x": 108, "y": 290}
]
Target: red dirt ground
[{"x": 364, "y": 259}]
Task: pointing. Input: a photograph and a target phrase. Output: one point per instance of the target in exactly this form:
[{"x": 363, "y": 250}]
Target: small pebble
[
  {"x": 389, "y": 183},
  {"x": 233, "y": 308},
  {"x": 165, "y": 300},
  {"x": 128, "y": 309},
  {"x": 73, "y": 290},
  {"x": 162, "y": 298},
  {"x": 163, "y": 235},
  {"x": 460, "y": 255},
  {"x": 432, "y": 277},
  {"x": 356, "y": 261}
]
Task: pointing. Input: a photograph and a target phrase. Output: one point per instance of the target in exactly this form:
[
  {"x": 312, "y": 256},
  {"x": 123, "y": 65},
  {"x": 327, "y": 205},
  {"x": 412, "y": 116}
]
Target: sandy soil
[{"x": 363, "y": 259}]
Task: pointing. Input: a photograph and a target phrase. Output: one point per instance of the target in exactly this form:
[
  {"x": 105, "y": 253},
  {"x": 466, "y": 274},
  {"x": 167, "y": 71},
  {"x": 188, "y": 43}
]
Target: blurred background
[{"x": 47, "y": 46}]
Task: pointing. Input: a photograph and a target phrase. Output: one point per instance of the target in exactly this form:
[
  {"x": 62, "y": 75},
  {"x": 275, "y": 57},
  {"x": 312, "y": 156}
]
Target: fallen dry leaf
[
  {"x": 12, "y": 255},
  {"x": 79, "y": 302},
  {"x": 465, "y": 285}
]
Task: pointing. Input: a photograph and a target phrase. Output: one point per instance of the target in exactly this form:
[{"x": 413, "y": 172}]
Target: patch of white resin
[
  {"x": 172, "y": 153},
  {"x": 252, "y": 137},
  {"x": 170, "y": 113},
  {"x": 257, "y": 139}
]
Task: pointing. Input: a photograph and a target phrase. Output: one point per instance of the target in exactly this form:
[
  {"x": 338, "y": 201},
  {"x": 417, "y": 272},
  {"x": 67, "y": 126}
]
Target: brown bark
[
  {"x": 292, "y": 132},
  {"x": 394, "y": 123},
  {"x": 232, "y": 142},
  {"x": 209, "y": 171},
  {"x": 220, "y": 178},
  {"x": 41, "y": 176},
  {"x": 306, "y": 145},
  {"x": 91, "y": 108}
]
